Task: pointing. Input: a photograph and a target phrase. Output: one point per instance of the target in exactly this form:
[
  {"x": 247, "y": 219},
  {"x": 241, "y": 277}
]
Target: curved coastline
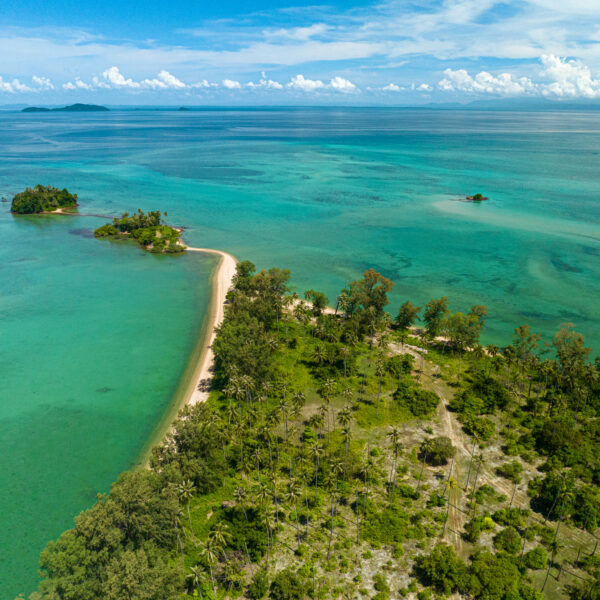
[{"x": 192, "y": 388}]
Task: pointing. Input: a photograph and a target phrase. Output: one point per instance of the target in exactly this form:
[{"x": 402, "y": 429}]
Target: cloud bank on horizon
[{"x": 388, "y": 52}]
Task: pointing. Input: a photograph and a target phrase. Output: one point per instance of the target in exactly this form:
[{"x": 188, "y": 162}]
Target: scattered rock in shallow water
[{"x": 83, "y": 232}]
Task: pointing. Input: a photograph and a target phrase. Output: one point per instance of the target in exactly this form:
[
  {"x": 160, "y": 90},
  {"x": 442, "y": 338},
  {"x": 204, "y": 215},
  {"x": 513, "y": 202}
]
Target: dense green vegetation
[
  {"x": 347, "y": 455},
  {"x": 42, "y": 199},
  {"x": 147, "y": 229}
]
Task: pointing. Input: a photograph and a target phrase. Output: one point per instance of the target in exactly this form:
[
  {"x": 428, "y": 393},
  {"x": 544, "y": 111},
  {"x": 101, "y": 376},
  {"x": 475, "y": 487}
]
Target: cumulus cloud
[
  {"x": 503, "y": 84},
  {"x": 204, "y": 84},
  {"x": 163, "y": 81},
  {"x": 43, "y": 82},
  {"x": 342, "y": 85},
  {"x": 560, "y": 78},
  {"x": 391, "y": 87},
  {"x": 13, "y": 86},
  {"x": 568, "y": 79},
  {"x": 116, "y": 79},
  {"x": 306, "y": 85},
  {"x": 232, "y": 85},
  {"x": 424, "y": 87},
  {"x": 77, "y": 85}
]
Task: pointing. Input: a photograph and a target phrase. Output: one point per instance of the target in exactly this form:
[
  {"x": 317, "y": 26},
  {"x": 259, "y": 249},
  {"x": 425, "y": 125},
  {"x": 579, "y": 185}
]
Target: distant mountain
[{"x": 71, "y": 108}]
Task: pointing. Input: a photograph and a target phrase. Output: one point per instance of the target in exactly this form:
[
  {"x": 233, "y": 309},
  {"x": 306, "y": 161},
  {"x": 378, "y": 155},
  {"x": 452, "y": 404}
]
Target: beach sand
[{"x": 199, "y": 385}]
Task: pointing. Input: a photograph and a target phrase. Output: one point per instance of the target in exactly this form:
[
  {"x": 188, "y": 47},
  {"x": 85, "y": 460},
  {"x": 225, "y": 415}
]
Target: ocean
[{"x": 95, "y": 336}]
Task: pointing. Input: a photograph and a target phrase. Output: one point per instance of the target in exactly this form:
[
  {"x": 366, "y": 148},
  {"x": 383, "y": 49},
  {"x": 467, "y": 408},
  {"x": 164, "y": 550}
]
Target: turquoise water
[
  {"x": 94, "y": 337},
  {"x": 325, "y": 192}
]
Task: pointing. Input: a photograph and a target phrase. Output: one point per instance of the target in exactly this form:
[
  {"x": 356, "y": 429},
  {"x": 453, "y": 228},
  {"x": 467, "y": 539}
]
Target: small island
[
  {"x": 476, "y": 198},
  {"x": 71, "y": 108},
  {"x": 42, "y": 199},
  {"x": 148, "y": 230}
]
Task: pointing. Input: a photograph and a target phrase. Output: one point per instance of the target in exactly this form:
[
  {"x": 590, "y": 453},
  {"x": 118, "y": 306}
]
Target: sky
[{"x": 273, "y": 52}]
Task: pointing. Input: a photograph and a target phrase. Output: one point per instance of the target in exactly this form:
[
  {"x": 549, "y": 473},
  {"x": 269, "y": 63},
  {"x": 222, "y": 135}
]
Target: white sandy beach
[{"x": 197, "y": 390}]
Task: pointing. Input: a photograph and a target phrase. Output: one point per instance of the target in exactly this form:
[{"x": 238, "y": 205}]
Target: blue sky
[{"x": 276, "y": 52}]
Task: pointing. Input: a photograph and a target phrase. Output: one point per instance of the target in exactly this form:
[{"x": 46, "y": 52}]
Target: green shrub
[
  {"x": 286, "y": 585},
  {"x": 536, "y": 558},
  {"x": 259, "y": 586},
  {"x": 508, "y": 540},
  {"x": 511, "y": 470},
  {"x": 436, "y": 451},
  {"x": 106, "y": 231}
]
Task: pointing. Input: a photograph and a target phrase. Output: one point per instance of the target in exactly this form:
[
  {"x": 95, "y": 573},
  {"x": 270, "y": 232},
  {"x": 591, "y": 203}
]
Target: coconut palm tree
[
  {"x": 426, "y": 446},
  {"x": 185, "y": 491},
  {"x": 394, "y": 436},
  {"x": 344, "y": 352},
  {"x": 450, "y": 486},
  {"x": 239, "y": 495},
  {"x": 380, "y": 372},
  {"x": 317, "y": 452},
  {"x": 346, "y": 434},
  {"x": 196, "y": 576},
  {"x": 292, "y": 495},
  {"x": 210, "y": 553}
]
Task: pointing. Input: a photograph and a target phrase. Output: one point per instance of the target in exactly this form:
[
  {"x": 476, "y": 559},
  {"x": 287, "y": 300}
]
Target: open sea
[{"x": 95, "y": 336}]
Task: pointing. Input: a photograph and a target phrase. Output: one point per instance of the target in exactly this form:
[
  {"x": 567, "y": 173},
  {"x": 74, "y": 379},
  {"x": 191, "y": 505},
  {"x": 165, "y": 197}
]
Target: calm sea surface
[{"x": 94, "y": 336}]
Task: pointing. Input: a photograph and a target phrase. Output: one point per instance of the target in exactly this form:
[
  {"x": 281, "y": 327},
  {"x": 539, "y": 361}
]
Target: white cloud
[
  {"x": 306, "y": 85},
  {"x": 424, "y": 87},
  {"x": 164, "y": 81},
  {"x": 298, "y": 33},
  {"x": 503, "y": 84},
  {"x": 77, "y": 85},
  {"x": 391, "y": 87},
  {"x": 232, "y": 85},
  {"x": 13, "y": 86},
  {"x": 96, "y": 82},
  {"x": 568, "y": 79},
  {"x": 560, "y": 78},
  {"x": 43, "y": 82},
  {"x": 342, "y": 85},
  {"x": 114, "y": 77},
  {"x": 204, "y": 84}
]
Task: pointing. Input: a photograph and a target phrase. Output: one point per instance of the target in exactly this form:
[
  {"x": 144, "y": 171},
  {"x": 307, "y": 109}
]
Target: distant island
[
  {"x": 42, "y": 199},
  {"x": 70, "y": 108},
  {"x": 148, "y": 230}
]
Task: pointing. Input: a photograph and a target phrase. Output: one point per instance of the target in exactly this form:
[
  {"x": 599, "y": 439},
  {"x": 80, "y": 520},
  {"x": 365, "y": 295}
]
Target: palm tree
[
  {"x": 425, "y": 449},
  {"x": 196, "y": 575},
  {"x": 292, "y": 495},
  {"x": 380, "y": 372},
  {"x": 480, "y": 461},
  {"x": 332, "y": 486},
  {"x": 185, "y": 491},
  {"x": 317, "y": 452},
  {"x": 347, "y": 434},
  {"x": 450, "y": 485},
  {"x": 344, "y": 353},
  {"x": 219, "y": 534},
  {"x": 394, "y": 437},
  {"x": 210, "y": 552},
  {"x": 239, "y": 495}
]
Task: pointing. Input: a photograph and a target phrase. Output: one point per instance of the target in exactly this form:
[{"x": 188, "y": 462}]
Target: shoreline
[
  {"x": 190, "y": 389},
  {"x": 222, "y": 282}
]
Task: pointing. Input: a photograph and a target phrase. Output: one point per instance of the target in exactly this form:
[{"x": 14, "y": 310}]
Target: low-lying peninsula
[
  {"x": 347, "y": 454},
  {"x": 147, "y": 229},
  {"x": 42, "y": 199}
]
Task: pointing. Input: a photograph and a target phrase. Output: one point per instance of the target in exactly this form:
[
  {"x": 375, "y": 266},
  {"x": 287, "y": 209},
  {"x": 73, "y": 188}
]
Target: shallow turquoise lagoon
[
  {"x": 325, "y": 192},
  {"x": 94, "y": 338}
]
